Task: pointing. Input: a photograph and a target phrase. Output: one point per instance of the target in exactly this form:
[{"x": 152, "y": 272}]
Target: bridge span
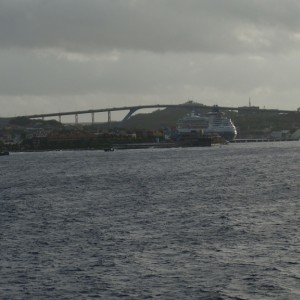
[{"x": 132, "y": 109}]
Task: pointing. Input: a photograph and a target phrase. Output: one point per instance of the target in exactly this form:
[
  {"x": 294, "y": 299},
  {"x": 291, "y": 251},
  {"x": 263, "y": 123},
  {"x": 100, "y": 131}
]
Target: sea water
[{"x": 185, "y": 223}]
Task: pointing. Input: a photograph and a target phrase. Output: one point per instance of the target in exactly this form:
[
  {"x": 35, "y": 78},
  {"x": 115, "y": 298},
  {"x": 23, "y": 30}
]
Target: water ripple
[{"x": 197, "y": 223}]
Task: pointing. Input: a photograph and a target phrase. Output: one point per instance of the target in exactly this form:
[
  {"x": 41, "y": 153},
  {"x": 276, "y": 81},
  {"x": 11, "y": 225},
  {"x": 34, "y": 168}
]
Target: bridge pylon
[
  {"x": 93, "y": 118},
  {"x": 130, "y": 113},
  {"x": 109, "y": 119}
]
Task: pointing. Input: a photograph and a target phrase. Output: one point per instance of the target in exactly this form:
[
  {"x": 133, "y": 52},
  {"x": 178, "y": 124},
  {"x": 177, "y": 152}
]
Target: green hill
[
  {"x": 4, "y": 121},
  {"x": 161, "y": 118},
  {"x": 157, "y": 119},
  {"x": 249, "y": 123}
]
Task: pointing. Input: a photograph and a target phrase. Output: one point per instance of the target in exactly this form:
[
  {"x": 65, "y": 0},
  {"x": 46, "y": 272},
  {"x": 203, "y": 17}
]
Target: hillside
[
  {"x": 4, "y": 121},
  {"x": 157, "y": 119},
  {"x": 249, "y": 123},
  {"x": 162, "y": 118},
  {"x": 253, "y": 123}
]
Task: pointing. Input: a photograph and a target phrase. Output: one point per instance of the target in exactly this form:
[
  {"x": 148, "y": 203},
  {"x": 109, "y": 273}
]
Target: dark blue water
[{"x": 197, "y": 223}]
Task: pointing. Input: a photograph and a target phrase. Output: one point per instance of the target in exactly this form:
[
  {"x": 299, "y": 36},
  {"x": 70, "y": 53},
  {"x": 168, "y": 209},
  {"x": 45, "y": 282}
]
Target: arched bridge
[{"x": 132, "y": 109}]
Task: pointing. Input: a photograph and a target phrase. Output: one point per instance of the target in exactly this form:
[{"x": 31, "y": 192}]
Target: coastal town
[{"x": 157, "y": 128}]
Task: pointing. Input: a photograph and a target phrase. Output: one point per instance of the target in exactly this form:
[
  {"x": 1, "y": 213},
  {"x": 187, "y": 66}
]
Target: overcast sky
[{"x": 61, "y": 55}]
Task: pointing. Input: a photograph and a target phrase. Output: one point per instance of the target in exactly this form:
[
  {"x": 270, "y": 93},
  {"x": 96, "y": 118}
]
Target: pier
[{"x": 260, "y": 140}]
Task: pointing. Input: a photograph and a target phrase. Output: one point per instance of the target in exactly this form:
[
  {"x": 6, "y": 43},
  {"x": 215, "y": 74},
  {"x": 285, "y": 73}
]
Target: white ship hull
[{"x": 213, "y": 123}]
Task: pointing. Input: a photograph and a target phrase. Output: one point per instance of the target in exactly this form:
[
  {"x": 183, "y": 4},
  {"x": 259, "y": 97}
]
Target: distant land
[
  {"x": 250, "y": 121},
  {"x": 4, "y": 121}
]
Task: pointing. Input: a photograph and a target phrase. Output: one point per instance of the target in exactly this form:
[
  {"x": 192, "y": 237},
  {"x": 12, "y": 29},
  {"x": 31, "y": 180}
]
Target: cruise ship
[{"x": 212, "y": 123}]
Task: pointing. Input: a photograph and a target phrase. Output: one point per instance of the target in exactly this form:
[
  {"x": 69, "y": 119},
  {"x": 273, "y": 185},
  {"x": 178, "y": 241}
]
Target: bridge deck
[{"x": 138, "y": 107}]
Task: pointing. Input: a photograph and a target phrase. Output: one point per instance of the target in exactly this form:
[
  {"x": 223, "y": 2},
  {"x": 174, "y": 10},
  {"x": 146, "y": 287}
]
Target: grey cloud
[
  {"x": 75, "y": 54},
  {"x": 138, "y": 73},
  {"x": 150, "y": 25},
  {"x": 30, "y": 74}
]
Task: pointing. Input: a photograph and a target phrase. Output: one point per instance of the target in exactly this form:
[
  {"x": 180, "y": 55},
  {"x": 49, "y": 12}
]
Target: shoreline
[{"x": 141, "y": 146}]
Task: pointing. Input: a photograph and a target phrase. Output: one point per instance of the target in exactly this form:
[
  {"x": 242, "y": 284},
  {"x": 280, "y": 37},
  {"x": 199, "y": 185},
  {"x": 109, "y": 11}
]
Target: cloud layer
[
  {"x": 230, "y": 26},
  {"x": 109, "y": 53}
]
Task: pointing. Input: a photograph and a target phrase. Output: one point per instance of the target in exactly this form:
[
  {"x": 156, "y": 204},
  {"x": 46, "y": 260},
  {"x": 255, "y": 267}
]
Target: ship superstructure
[
  {"x": 192, "y": 123},
  {"x": 212, "y": 123}
]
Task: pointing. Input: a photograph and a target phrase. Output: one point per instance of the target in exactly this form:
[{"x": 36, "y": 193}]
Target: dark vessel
[
  {"x": 2, "y": 153},
  {"x": 198, "y": 139}
]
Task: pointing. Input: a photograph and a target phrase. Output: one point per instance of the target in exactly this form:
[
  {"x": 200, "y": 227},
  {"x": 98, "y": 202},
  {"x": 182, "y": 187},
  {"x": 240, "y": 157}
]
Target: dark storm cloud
[{"x": 231, "y": 26}]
